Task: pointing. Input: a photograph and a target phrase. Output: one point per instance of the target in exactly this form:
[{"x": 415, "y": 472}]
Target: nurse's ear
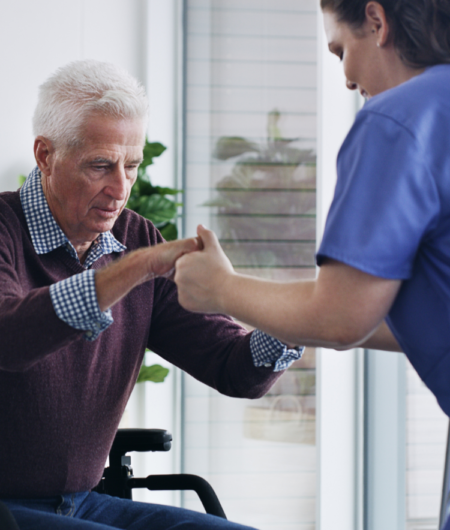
[{"x": 378, "y": 23}]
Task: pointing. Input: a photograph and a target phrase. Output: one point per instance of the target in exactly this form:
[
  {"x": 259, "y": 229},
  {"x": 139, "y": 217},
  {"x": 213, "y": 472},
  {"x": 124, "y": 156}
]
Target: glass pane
[
  {"x": 250, "y": 175},
  {"x": 426, "y": 437}
]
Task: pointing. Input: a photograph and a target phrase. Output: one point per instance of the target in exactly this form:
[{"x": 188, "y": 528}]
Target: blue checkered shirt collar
[{"x": 46, "y": 235}]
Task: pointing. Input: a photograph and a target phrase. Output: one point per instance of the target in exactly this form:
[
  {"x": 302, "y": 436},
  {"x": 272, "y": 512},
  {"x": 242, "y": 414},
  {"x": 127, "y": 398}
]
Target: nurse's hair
[
  {"x": 421, "y": 28},
  {"x": 83, "y": 88}
]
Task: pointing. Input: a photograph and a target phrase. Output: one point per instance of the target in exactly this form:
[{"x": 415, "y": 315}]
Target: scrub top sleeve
[{"x": 385, "y": 200}]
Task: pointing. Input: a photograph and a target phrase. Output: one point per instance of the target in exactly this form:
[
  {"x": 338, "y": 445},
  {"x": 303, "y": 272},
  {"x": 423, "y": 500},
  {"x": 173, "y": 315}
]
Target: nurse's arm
[
  {"x": 382, "y": 339},
  {"x": 343, "y": 308}
]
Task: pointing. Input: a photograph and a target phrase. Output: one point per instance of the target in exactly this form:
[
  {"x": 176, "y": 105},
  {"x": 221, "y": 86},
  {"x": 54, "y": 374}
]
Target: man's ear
[
  {"x": 43, "y": 153},
  {"x": 377, "y": 21}
]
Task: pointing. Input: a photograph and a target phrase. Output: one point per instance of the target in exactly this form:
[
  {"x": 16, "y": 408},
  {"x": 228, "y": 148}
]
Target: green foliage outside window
[{"x": 264, "y": 207}]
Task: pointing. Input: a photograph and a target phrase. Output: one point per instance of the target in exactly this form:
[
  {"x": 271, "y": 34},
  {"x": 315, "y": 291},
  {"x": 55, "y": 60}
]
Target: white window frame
[{"x": 339, "y": 374}]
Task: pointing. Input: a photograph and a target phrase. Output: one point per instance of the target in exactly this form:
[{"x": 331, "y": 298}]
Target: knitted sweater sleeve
[
  {"x": 212, "y": 348},
  {"x": 29, "y": 327}
]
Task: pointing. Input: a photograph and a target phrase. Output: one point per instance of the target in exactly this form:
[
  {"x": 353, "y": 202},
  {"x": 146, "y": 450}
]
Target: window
[
  {"x": 250, "y": 168},
  {"x": 426, "y": 436},
  {"x": 405, "y": 438}
]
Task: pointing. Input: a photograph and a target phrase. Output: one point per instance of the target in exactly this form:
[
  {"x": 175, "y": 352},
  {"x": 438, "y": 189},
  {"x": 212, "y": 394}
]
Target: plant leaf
[
  {"x": 151, "y": 201},
  {"x": 166, "y": 191},
  {"x": 155, "y": 373},
  {"x": 157, "y": 208},
  {"x": 169, "y": 232},
  {"x": 231, "y": 146},
  {"x": 151, "y": 151},
  {"x": 145, "y": 187}
]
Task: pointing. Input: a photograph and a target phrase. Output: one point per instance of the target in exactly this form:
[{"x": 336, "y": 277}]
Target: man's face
[{"x": 88, "y": 187}]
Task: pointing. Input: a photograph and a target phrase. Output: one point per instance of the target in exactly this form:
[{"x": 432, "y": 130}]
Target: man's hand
[
  {"x": 119, "y": 278},
  {"x": 162, "y": 257},
  {"x": 202, "y": 276}
]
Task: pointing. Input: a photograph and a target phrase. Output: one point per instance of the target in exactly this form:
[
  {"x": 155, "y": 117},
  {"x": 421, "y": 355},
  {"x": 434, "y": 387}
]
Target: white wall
[{"x": 38, "y": 37}]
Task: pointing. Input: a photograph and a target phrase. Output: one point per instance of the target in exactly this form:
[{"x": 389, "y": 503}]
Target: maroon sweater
[{"x": 62, "y": 397}]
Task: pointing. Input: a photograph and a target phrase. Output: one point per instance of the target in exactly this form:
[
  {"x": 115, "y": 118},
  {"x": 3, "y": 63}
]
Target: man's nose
[
  {"x": 118, "y": 185},
  {"x": 350, "y": 85}
]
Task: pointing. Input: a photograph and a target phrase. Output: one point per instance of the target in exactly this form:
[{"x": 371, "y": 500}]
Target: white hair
[{"x": 82, "y": 88}]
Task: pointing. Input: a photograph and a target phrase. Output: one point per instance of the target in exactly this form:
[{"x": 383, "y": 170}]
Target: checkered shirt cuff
[
  {"x": 75, "y": 302},
  {"x": 268, "y": 351}
]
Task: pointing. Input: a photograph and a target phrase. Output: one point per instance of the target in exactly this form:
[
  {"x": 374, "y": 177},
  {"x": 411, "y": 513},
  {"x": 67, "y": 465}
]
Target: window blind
[{"x": 250, "y": 175}]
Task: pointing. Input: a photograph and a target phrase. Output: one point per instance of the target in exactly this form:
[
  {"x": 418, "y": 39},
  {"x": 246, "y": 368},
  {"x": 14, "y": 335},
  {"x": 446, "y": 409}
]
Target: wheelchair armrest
[
  {"x": 118, "y": 479},
  {"x": 128, "y": 440}
]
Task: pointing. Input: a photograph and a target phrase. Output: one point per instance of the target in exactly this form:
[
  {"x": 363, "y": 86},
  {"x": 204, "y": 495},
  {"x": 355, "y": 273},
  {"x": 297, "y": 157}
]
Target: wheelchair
[{"x": 118, "y": 479}]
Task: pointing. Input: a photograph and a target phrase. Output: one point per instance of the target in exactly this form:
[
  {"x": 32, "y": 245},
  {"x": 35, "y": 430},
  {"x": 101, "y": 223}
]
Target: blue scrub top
[{"x": 390, "y": 216}]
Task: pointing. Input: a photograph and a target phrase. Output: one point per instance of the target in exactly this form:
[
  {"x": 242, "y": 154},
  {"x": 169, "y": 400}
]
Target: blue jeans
[{"x": 94, "y": 511}]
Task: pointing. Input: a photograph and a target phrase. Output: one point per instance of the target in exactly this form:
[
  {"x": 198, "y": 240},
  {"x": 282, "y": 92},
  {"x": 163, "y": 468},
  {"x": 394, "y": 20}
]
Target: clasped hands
[{"x": 202, "y": 270}]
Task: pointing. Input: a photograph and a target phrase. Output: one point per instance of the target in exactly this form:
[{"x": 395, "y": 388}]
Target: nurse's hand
[{"x": 202, "y": 277}]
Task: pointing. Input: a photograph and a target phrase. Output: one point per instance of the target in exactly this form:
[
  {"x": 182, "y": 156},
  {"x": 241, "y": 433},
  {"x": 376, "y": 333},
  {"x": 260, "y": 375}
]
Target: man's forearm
[
  {"x": 116, "y": 280},
  {"x": 382, "y": 339}
]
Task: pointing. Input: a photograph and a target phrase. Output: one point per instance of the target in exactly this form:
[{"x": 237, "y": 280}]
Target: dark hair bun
[{"x": 421, "y": 28}]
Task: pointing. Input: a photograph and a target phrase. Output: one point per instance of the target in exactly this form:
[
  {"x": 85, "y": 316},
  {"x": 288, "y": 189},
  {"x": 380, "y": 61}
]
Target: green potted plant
[
  {"x": 268, "y": 187},
  {"x": 153, "y": 203}
]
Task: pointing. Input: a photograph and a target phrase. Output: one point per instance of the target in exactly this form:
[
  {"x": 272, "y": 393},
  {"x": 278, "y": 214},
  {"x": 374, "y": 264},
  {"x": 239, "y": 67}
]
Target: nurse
[{"x": 384, "y": 279}]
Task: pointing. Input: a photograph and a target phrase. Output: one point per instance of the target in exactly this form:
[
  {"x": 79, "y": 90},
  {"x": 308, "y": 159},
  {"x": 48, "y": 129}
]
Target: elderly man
[{"x": 82, "y": 294}]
